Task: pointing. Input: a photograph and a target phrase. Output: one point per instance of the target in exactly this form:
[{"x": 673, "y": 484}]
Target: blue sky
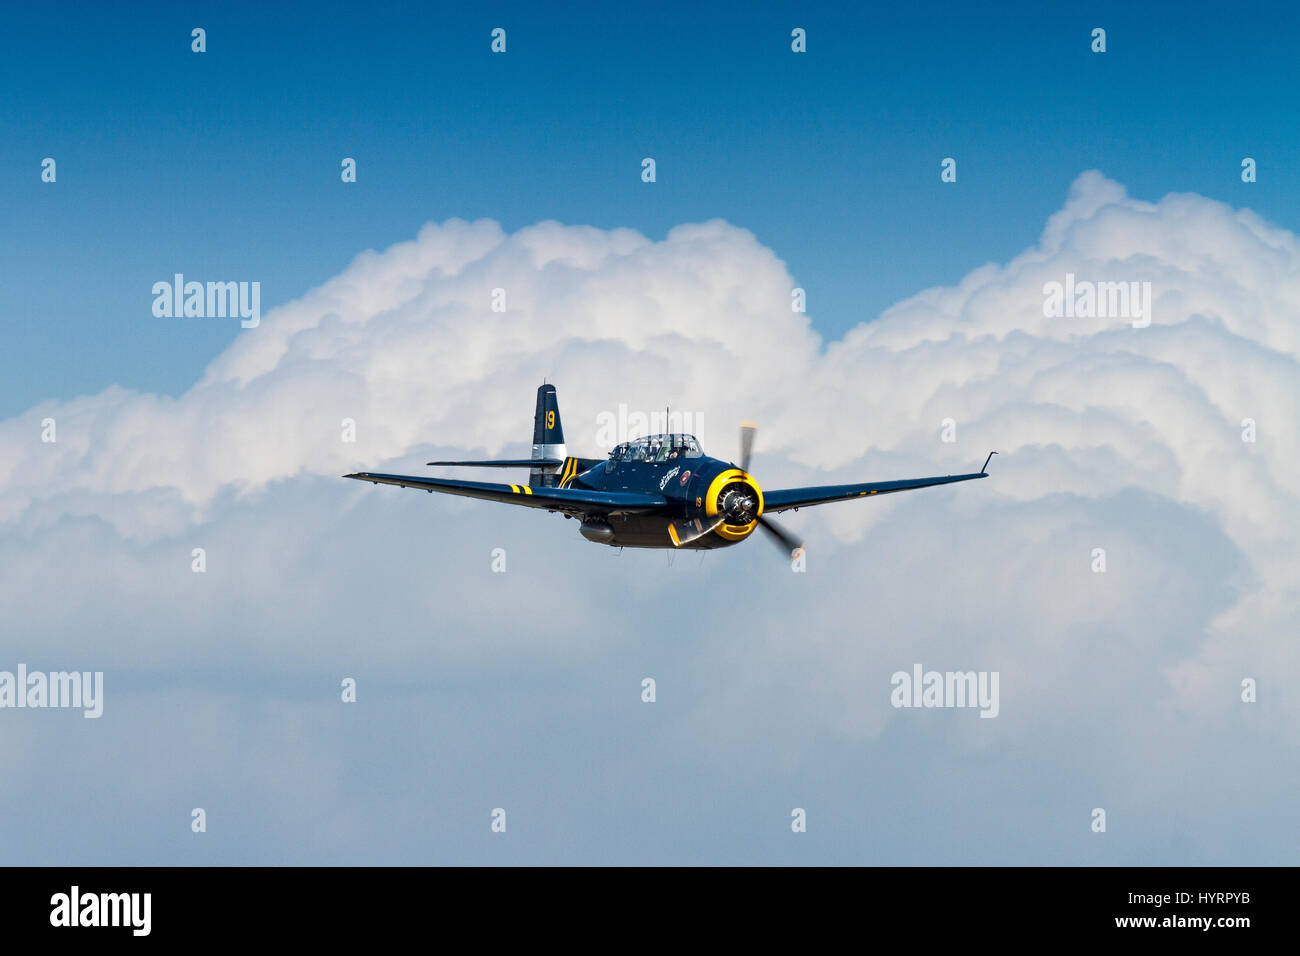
[
  {"x": 226, "y": 164},
  {"x": 476, "y": 689}
]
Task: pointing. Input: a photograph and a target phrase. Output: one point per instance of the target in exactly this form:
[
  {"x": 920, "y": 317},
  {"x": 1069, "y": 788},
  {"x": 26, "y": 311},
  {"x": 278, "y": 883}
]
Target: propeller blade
[
  {"x": 684, "y": 532},
  {"x": 747, "y": 431},
  {"x": 784, "y": 539}
]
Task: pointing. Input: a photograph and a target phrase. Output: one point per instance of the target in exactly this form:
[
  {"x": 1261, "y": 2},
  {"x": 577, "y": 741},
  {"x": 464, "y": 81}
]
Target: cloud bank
[{"x": 1120, "y": 690}]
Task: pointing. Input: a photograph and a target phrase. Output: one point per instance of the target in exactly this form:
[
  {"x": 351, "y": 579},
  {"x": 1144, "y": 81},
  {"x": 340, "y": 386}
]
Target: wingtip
[{"x": 985, "y": 469}]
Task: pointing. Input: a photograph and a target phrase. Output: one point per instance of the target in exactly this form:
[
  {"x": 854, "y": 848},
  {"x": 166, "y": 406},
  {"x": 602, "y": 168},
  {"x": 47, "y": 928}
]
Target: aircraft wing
[
  {"x": 787, "y": 498},
  {"x": 551, "y": 499}
]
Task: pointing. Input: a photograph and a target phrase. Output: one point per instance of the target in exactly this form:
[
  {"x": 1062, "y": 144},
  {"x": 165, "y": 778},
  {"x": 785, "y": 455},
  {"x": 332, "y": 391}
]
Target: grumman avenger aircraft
[{"x": 660, "y": 491}]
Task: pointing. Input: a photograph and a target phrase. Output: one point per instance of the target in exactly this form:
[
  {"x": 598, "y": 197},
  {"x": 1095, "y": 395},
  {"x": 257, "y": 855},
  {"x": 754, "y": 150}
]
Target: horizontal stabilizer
[{"x": 505, "y": 463}]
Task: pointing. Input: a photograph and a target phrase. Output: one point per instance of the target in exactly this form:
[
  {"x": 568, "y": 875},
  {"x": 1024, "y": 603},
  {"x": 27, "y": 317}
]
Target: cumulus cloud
[{"x": 773, "y": 684}]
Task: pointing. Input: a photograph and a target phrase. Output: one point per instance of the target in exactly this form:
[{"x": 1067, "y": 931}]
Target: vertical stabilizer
[{"x": 548, "y": 439}]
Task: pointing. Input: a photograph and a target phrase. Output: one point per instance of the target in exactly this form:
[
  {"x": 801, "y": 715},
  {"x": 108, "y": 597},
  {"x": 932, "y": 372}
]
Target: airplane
[{"x": 658, "y": 491}]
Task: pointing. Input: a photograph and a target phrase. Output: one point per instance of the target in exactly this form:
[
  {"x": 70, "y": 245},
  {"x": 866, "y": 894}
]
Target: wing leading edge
[
  {"x": 787, "y": 498},
  {"x": 551, "y": 499}
]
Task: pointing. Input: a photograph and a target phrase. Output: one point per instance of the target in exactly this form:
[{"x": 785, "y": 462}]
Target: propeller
[
  {"x": 684, "y": 532},
  {"x": 736, "y": 508},
  {"x": 782, "y": 538},
  {"x": 747, "y": 432}
]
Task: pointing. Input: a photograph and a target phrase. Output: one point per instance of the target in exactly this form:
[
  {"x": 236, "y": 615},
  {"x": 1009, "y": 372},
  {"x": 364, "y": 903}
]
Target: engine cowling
[{"x": 736, "y": 496}]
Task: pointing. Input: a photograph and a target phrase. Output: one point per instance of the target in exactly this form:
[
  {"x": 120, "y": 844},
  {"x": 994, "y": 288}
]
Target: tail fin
[
  {"x": 549, "y": 461},
  {"x": 548, "y": 439}
]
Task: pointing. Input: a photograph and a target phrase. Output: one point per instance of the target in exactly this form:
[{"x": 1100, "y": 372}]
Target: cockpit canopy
[{"x": 657, "y": 448}]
